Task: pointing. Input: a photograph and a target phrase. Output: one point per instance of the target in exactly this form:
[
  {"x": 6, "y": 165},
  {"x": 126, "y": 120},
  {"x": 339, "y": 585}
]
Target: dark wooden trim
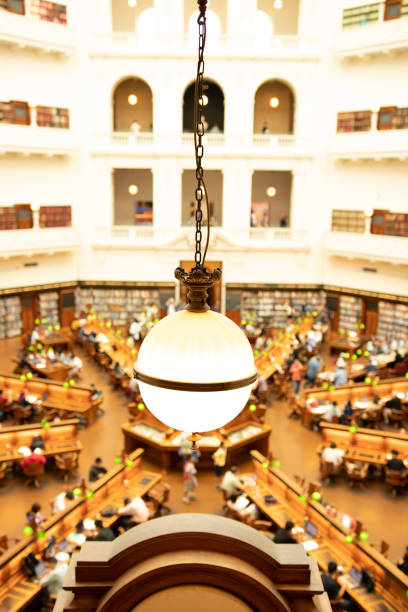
[
  {"x": 195, "y": 387},
  {"x": 38, "y": 425}
]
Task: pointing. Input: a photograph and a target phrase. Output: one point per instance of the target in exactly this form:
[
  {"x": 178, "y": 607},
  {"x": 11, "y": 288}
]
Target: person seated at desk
[
  {"x": 34, "y": 516},
  {"x": 283, "y": 534},
  {"x": 92, "y": 337},
  {"x": 393, "y": 404},
  {"x": 340, "y": 375},
  {"x": 118, "y": 370},
  {"x": 133, "y": 512},
  {"x": 332, "y": 411},
  {"x": 135, "y": 330},
  {"x": 394, "y": 463},
  {"x": 103, "y": 534},
  {"x": 101, "y": 338},
  {"x": 34, "y": 458},
  {"x": 54, "y": 579},
  {"x": 76, "y": 365},
  {"x": 348, "y": 412},
  {"x": 231, "y": 483},
  {"x": 240, "y": 503},
  {"x": 60, "y": 502},
  {"x": 51, "y": 354},
  {"x": 372, "y": 367},
  {"x": 333, "y": 455},
  {"x": 133, "y": 389},
  {"x": 402, "y": 564},
  {"x": 21, "y": 400},
  {"x": 334, "y": 590},
  {"x": 96, "y": 394},
  {"x": 96, "y": 470}
]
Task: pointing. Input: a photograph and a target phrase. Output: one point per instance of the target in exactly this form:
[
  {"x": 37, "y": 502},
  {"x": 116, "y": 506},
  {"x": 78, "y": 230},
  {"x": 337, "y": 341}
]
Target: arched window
[
  {"x": 213, "y": 28},
  {"x": 126, "y": 14},
  {"x": 212, "y": 109},
  {"x": 263, "y": 29},
  {"x": 284, "y": 14},
  {"x": 146, "y": 24},
  {"x": 133, "y": 106},
  {"x": 216, "y": 17},
  {"x": 274, "y": 108}
]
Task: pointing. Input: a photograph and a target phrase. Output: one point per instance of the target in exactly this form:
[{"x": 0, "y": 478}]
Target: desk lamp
[{"x": 195, "y": 367}]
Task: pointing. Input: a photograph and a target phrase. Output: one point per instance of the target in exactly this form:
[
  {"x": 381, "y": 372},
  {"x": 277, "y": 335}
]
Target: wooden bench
[
  {"x": 61, "y": 399},
  {"x": 59, "y": 438},
  {"x": 390, "y": 583},
  {"x": 123, "y": 480}
]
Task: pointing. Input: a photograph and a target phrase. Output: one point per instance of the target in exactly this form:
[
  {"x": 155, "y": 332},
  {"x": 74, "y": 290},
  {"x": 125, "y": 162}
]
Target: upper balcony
[
  {"x": 35, "y": 140},
  {"x": 372, "y": 29},
  {"x": 29, "y": 32},
  {"x": 131, "y": 44},
  {"x": 369, "y": 247},
  {"x": 38, "y": 241},
  {"x": 176, "y": 239},
  {"x": 376, "y": 145},
  {"x": 142, "y": 144}
]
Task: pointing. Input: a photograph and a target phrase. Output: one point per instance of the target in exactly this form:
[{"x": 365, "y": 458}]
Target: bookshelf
[
  {"x": 16, "y": 112},
  {"x": 55, "y": 216},
  {"x": 348, "y": 221},
  {"x": 392, "y": 321},
  {"x": 354, "y": 121},
  {"x": 116, "y": 305},
  {"x": 10, "y": 317},
  {"x": 48, "y": 307},
  {"x": 8, "y": 218},
  {"x": 49, "y": 116},
  {"x": 350, "y": 313},
  {"x": 361, "y": 15},
  {"x": 271, "y": 306},
  {"x": 392, "y": 118},
  {"x": 49, "y": 11}
]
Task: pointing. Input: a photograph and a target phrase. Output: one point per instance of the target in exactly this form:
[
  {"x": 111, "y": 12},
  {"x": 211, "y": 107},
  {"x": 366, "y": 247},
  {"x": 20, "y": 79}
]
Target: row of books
[
  {"x": 10, "y": 317},
  {"x": 116, "y": 305},
  {"x": 348, "y": 221},
  {"x": 392, "y": 321},
  {"x": 48, "y": 307},
  {"x": 354, "y": 121},
  {"x": 55, "y": 216},
  {"x": 18, "y": 112},
  {"x": 350, "y": 312},
  {"x": 272, "y": 307},
  {"x": 49, "y": 11}
]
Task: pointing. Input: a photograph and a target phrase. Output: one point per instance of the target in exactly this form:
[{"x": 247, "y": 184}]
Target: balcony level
[
  {"x": 35, "y": 140},
  {"x": 142, "y": 144},
  {"x": 130, "y": 44},
  {"x": 27, "y": 32},
  {"x": 369, "y": 247},
  {"x": 177, "y": 239},
  {"x": 366, "y": 33},
  {"x": 374, "y": 144},
  {"x": 37, "y": 241}
]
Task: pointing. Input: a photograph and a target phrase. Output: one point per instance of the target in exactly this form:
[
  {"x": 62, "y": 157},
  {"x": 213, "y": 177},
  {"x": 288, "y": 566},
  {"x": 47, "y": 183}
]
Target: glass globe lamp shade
[
  {"x": 132, "y": 99},
  {"x": 197, "y": 348}
]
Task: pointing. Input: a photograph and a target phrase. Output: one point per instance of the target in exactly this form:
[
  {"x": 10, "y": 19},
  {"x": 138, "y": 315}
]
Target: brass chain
[{"x": 201, "y": 191}]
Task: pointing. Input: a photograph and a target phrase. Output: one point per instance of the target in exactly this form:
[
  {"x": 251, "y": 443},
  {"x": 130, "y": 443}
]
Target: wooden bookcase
[
  {"x": 354, "y": 121},
  {"x": 15, "y": 111},
  {"x": 361, "y": 15},
  {"x": 48, "y": 116},
  {"x": 49, "y": 11},
  {"x": 348, "y": 221},
  {"x": 55, "y": 216}
]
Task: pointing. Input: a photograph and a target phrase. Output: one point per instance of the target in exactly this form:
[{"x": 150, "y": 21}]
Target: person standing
[
  {"x": 190, "y": 480},
  {"x": 313, "y": 366},
  {"x": 219, "y": 458},
  {"x": 295, "y": 371}
]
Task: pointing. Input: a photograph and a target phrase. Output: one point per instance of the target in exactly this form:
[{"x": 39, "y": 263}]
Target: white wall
[{"x": 322, "y": 84}]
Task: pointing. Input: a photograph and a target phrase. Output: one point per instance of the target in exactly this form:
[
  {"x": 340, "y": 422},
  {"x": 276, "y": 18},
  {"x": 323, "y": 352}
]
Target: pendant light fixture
[{"x": 195, "y": 367}]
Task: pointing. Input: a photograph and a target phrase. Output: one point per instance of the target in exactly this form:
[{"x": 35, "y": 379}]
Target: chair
[
  {"x": 5, "y": 541},
  {"x": 32, "y": 473},
  {"x": 397, "y": 417},
  {"x": 397, "y": 479},
  {"x": 373, "y": 417},
  {"x": 21, "y": 413},
  {"x": 66, "y": 463},
  {"x": 356, "y": 473},
  {"x": 162, "y": 508},
  {"x": 329, "y": 471},
  {"x": 3, "y": 468}
]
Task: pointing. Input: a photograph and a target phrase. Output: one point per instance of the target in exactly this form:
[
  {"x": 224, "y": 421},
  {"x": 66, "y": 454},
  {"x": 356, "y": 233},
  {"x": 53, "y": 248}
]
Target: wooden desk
[
  {"x": 114, "y": 348},
  {"x": 77, "y": 399},
  {"x": 272, "y": 359},
  {"x": 161, "y": 444},
  {"x": 121, "y": 481},
  {"x": 355, "y": 392},
  {"x": 60, "y": 438},
  {"x": 56, "y": 370},
  {"x": 391, "y": 583},
  {"x": 344, "y": 344},
  {"x": 58, "y": 340},
  {"x": 367, "y": 445}
]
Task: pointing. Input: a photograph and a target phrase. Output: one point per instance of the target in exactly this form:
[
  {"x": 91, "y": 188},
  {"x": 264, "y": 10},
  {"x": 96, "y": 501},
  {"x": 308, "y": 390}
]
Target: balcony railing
[
  {"x": 375, "y": 144},
  {"x": 123, "y": 43},
  {"x": 264, "y": 238},
  {"x": 35, "y": 140},
  {"x": 25, "y": 31},
  {"x": 371, "y": 247},
  {"x": 256, "y": 144},
  {"x": 37, "y": 241},
  {"x": 373, "y": 34}
]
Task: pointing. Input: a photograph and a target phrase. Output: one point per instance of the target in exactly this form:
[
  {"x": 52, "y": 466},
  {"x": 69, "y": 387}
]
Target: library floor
[{"x": 381, "y": 514}]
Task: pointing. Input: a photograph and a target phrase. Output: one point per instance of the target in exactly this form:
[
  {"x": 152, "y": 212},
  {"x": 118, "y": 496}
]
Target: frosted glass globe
[{"x": 192, "y": 347}]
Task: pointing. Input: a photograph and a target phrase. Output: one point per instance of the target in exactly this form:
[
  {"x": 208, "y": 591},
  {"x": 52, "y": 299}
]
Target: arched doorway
[
  {"x": 133, "y": 106},
  {"x": 274, "y": 108},
  {"x": 212, "y": 109}
]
